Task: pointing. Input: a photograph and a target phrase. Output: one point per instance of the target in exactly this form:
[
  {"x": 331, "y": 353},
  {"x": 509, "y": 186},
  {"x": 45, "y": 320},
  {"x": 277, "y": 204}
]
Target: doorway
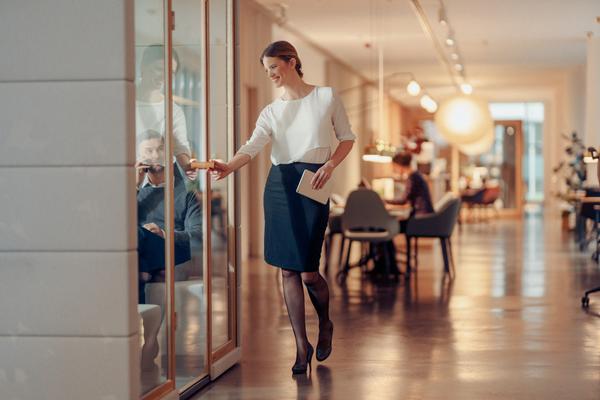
[{"x": 498, "y": 171}]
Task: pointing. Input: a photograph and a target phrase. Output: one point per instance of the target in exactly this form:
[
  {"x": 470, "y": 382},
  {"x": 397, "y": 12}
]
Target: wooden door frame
[{"x": 518, "y": 125}]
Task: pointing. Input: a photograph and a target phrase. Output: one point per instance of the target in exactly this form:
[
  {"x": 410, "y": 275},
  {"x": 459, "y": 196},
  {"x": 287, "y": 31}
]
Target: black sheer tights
[{"x": 293, "y": 293}]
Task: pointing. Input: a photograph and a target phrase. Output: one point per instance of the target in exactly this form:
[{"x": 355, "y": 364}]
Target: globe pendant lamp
[
  {"x": 481, "y": 146},
  {"x": 463, "y": 119}
]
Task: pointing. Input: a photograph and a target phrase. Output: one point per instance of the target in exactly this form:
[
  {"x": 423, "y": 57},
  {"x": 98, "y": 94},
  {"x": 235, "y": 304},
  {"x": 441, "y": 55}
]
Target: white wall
[
  {"x": 254, "y": 35},
  {"x": 67, "y": 225}
]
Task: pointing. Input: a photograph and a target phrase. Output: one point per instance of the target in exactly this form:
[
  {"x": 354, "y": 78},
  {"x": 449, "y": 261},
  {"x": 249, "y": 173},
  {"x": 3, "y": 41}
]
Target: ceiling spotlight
[
  {"x": 449, "y": 42},
  {"x": 454, "y": 56},
  {"x": 466, "y": 88},
  {"x": 428, "y": 103},
  {"x": 458, "y": 67},
  {"x": 413, "y": 88}
]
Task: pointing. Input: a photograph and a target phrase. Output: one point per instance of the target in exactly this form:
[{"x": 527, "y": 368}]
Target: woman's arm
[
  {"x": 259, "y": 139},
  {"x": 324, "y": 173},
  {"x": 222, "y": 169},
  {"x": 410, "y": 192}
]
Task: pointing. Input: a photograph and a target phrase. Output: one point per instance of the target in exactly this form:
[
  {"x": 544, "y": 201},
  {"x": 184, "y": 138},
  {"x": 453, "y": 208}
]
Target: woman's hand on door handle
[{"x": 220, "y": 170}]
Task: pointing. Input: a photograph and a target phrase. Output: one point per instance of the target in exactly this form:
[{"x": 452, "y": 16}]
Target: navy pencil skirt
[{"x": 294, "y": 224}]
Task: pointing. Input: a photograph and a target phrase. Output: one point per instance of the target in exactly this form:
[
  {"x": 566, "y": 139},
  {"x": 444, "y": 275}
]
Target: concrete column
[
  {"x": 592, "y": 100},
  {"x": 69, "y": 322}
]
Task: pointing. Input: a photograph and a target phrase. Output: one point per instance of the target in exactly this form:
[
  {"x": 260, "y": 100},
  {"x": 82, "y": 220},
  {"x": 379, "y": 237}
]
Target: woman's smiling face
[{"x": 279, "y": 70}]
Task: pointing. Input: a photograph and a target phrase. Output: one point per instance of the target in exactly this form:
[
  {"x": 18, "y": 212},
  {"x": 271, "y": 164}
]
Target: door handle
[{"x": 202, "y": 164}]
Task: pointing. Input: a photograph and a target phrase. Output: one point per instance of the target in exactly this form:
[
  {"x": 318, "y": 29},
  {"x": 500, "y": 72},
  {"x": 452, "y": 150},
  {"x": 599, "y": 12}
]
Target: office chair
[
  {"x": 585, "y": 300},
  {"x": 365, "y": 220},
  {"x": 439, "y": 224}
]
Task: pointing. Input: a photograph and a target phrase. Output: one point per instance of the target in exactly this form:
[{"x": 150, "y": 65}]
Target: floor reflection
[{"x": 509, "y": 326}]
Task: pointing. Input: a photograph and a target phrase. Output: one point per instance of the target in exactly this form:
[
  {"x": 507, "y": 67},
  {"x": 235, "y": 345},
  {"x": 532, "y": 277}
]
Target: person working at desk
[
  {"x": 150, "y": 180},
  {"x": 416, "y": 192}
]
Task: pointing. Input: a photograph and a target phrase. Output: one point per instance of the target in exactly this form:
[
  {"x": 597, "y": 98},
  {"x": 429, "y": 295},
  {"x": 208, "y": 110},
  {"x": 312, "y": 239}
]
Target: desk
[{"x": 401, "y": 213}]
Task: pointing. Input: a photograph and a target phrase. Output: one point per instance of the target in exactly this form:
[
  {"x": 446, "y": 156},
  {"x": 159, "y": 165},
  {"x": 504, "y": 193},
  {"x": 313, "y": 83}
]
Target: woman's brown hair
[{"x": 285, "y": 51}]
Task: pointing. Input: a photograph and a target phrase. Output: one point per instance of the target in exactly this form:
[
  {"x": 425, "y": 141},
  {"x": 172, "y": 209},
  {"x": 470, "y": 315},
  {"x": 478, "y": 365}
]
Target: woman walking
[{"x": 299, "y": 126}]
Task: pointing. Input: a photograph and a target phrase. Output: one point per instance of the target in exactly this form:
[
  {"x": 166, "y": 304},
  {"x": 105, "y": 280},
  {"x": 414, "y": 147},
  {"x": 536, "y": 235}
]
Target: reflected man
[{"x": 150, "y": 180}]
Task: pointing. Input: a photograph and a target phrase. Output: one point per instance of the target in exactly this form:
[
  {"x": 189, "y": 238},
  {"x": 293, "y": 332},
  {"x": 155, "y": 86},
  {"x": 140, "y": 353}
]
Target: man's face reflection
[{"x": 152, "y": 153}]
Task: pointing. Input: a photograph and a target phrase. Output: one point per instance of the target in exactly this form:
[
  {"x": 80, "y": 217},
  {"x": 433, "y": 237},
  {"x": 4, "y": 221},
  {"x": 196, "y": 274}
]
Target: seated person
[
  {"x": 416, "y": 191},
  {"x": 150, "y": 181}
]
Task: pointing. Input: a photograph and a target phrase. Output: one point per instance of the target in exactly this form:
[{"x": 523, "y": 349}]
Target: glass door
[
  {"x": 221, "y": 145},
  {"x": 184, "y": 117},
  {"x": 506, "y": 155},
  {"x": 500, "y": 169},
  {"x": 153, "y": 169},
  {"x": 190, "y": 288}
]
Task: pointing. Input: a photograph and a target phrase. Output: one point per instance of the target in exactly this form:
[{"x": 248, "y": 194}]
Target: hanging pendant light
[
  {"x": 481, "y": 146},
  {"x": 380, "y": 151},
  {"x": 463, "y": 119}
]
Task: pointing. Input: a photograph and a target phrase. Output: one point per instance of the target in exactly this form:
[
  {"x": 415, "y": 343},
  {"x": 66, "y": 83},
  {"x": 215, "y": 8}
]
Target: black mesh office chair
[{"x": 585, "y": 300}]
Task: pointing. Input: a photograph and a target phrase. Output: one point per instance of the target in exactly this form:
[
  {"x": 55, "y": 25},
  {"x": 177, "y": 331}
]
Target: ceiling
[{"x": 493, "y": 36}]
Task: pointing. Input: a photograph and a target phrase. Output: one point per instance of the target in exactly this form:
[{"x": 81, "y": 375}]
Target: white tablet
[{"x": 305, "y": 188}]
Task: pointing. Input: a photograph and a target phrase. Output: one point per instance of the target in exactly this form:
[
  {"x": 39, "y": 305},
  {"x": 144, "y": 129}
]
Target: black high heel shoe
[
  {"x": 301, "y": 368},
  {"x": 324, "y": 346}
]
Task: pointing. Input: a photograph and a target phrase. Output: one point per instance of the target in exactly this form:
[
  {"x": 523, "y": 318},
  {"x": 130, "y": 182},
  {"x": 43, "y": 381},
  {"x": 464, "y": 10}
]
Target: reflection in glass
[
  {"x": 190, "y": 336},
  {"x": 218, "y": 134},
  {"x": 532, "y": 115},
  {"x": 150, "y": 102},
  {"x": 189, "y": 110},
  {"x": 150, "y": 163},
  {"x": 496, "y": 170}
]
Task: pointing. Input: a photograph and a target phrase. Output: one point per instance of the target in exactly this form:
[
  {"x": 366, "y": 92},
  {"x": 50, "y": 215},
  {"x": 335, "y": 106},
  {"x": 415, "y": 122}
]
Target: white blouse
[
  {"x": 152, "y": 116},
  {"x": 300, "y": 129}
]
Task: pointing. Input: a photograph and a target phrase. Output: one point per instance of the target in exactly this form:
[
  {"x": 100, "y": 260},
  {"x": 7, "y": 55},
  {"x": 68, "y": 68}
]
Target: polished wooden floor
[{"x": 510, "y": 326}]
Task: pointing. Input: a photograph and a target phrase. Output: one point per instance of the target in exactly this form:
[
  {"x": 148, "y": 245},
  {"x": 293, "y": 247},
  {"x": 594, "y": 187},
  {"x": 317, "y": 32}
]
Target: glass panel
[
  {"x": 533, "y": 158},
  {"x": 218, "y": 139},
  {"x": 150, "y": 163},
  {"x": 496, "y": 170},
  {"x": 532, "y": 115},
  {"x": 505, "y": 146},
  {"x": 188, "y": 117}
]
